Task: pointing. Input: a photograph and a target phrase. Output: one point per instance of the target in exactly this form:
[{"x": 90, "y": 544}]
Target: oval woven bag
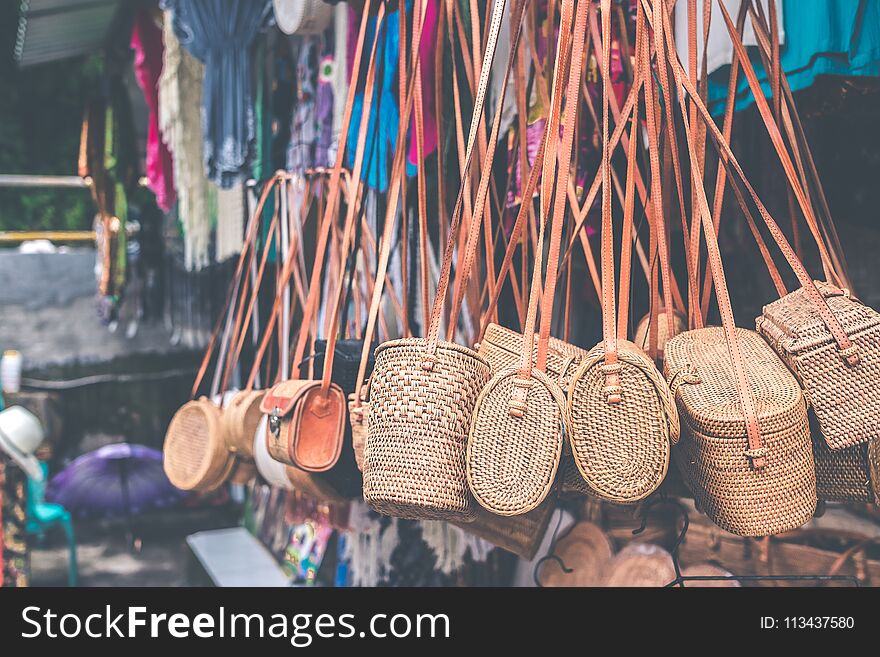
[
  {"x": 195, "y": 453},
  {"x": 512, "y": 457},
  {"x": 714, "y": 454},
  {"x": 622, "y": 449},
  {"x": 623, "y": 418}
]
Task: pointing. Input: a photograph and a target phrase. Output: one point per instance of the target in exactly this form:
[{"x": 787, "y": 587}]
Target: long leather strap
[
  {"x": 433, "y": 334},
  {"x": 756, "y": 452}
]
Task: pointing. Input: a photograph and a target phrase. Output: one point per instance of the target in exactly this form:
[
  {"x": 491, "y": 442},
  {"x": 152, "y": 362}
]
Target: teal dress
[{"x": 840, "y": 37}]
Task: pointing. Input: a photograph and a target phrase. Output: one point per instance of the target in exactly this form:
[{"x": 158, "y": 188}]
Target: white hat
[
  {"x": 302, "y": 16},
  {"x": 274, "y": 472},
  {"x": 20, "y": 435}
]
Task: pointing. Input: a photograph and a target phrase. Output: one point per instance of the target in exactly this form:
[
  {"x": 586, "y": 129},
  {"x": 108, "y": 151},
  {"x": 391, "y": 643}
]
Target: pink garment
[
  {"x": 427, "y": 59},
  {"x": 146, "y": 41}
]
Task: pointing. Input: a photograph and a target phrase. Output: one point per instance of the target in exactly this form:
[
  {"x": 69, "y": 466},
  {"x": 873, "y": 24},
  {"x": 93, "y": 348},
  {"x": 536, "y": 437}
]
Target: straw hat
[
  {"x": 708, "y": 570},
  {"x": 641, "y": 564},
  {"x": 586, "y": 550},
  {"x": 302, "y": 16},
  {"x": 20, "y": 435}
]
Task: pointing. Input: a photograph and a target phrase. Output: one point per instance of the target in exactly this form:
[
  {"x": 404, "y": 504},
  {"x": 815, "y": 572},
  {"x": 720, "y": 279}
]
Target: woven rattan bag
[
  {"x": 515, "y": 440},
  {"x": 423, "y": 390},
  {"x": 842, "y": 475},
  {"x": 195, "y": 452},
  {"x": 623, "y": 417},
  {"x": 240, "y": 419},
  {"x": 714, "y": 454},
  {"x": 843, "y": 394}
]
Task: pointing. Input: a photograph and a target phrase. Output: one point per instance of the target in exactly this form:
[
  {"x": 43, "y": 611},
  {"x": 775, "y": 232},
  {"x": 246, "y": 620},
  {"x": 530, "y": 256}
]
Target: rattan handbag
[
  {"x": 423, "y": 390},
  {"x": 521, "y": 535},
  {"x": 745, "y": 447},
  {"x": 515, "y": 440},
  {"x": 840, "y": 391},
  {"x": 196, "y": 456},
  {"x": 842, "y": 475},
  {"x": 623, "y": 417},
  {"x": 714, "y": 453},
  {"x": 199, "y": 452}
]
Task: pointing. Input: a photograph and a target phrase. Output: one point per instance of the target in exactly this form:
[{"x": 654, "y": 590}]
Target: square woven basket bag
[{"x": 845, "y": 398}]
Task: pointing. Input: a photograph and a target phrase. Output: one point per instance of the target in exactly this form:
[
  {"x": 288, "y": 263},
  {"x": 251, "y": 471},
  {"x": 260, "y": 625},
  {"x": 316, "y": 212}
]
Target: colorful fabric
[
  {"x": 146, "y": 41},
  {"x": 822, "y": 38},
  {"x": 180, "y": 125},
  {"x": 220, "y": 33},
  {"x": 14, "y": 553}
]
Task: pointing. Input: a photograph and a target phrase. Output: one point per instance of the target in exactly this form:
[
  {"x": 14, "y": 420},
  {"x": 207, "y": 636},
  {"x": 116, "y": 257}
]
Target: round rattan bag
[
  {"x": 240, "y": 417},
  {"x": 621, "y": 449},
  {"x": 513, "y": 451},
  {"x": 420, "y": 412},
  {"x": 641, "y": 337},
  {"x": 195, "y": 453}
]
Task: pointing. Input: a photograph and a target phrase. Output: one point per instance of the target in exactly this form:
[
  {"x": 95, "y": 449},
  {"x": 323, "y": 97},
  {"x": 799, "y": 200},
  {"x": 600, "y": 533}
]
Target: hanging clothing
[
  {"x": 146, "y": 41},
  {"x": 382, "y": 123},
  {"x": 822, "y": 38},
  {"x": 427, "y": 59},
  {"x": 720, "y": 51},
  {"x": 230, "y": 222},
  {"x": 303, "y": 125},
  {"x": 180, "y": 124},
  {"x": 220, "y": 33}
]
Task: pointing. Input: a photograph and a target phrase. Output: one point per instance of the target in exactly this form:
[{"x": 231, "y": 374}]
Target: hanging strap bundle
[
  {"x": 515, "y": 439},
  {"x": 423, "y": 390},
  {"x": 623, "y": 418},
  {"x": 745, "y": 449}
]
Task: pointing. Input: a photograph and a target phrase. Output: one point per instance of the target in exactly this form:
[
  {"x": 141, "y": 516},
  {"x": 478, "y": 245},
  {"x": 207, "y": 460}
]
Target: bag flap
[
  {"x": 281, "y": 399},
  {"x": 319, "y": 429}
]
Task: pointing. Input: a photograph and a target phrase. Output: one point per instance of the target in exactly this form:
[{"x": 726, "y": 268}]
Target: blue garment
[
  {"x": 381, "y": 139},
  {"x": 821, "y": 38},
  {"x": 220, "y": 34}
]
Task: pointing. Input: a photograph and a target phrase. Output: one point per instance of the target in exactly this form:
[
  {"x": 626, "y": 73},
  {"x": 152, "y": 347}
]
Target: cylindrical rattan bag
[
  {"x": 423, "y": 390},
  {"x": 642, "y": 336},
  {"x": 842, "y": 475},
  {"x": 195, "y": 453},
  {"x": 240, "y": 419},
  {"x": 874, "y": 466}
]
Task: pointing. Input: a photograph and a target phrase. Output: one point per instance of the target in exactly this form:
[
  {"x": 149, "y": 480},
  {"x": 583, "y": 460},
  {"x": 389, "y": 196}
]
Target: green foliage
[{"x": 41, "y": 111}]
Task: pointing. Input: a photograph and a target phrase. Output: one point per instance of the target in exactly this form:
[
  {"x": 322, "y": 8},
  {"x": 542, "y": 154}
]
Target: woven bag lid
[
  {"x": 712, "y": 400},
  {"x": 641, "y": 564},
  {"x": 274, "y": 472},
  {"x": 794, "y": 320},
  {"x": 194, "y": 452},
  {"x": 586, "y": 550},
  {"x": 302, "y": 16},
  {"x": 708, "y": 570}
]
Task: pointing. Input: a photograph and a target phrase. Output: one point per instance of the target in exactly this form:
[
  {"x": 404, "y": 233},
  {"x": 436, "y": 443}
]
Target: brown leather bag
[{"x": 306, "y": 424}]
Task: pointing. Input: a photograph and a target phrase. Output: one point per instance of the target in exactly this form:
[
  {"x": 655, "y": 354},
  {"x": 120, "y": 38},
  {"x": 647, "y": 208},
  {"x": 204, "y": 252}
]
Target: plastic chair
[{"x": 42, "y": 515}]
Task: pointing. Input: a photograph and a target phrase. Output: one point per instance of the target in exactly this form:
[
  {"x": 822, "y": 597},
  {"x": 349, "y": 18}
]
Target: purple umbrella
[{"x": 115, "y": 480}]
